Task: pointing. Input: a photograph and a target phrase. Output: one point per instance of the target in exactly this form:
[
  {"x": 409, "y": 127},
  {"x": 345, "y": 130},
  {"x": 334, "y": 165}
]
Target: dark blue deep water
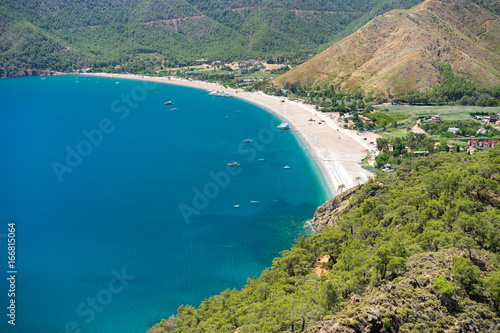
[{"x": 124, "y": 209}]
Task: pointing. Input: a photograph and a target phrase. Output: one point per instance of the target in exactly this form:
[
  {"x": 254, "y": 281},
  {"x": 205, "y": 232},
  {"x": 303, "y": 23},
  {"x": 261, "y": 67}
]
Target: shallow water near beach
[{"x": 125, "y": 209}]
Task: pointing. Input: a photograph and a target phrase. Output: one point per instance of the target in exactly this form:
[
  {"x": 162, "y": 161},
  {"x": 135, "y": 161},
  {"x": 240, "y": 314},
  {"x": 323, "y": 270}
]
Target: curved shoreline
[{"x": 337, "y": 151}]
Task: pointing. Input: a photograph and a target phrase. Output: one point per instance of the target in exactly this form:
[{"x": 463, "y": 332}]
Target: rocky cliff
[{"x": 329, "y": 212}]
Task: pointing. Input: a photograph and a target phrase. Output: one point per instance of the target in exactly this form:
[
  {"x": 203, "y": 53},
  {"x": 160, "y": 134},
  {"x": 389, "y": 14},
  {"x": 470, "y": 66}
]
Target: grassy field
[
  {"x": 393, "y": 134},
  {"x": 446, "y": 112}
]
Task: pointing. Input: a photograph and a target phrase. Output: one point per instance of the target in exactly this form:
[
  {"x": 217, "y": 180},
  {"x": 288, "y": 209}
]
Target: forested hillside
[
  {"x": 400, "y": 52},
  {"x": 65, "y": 35},
  {"x": 417, "y": 250}
]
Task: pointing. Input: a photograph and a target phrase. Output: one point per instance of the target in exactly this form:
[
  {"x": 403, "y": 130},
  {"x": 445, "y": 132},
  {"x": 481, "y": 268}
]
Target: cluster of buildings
[
  {"x": 480, "y": 131},
  {"x": 489, "y": 119},
  {"x": 485, "y": 119},
  {"x": 472, "y": 145}
]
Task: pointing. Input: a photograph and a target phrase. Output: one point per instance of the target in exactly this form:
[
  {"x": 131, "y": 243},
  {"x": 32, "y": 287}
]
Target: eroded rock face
[{"x": 329, "y": 212}]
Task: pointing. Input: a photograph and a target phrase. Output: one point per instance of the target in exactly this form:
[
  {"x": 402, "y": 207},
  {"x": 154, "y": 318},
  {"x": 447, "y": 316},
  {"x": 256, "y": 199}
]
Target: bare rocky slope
[{"x": 398, "y": 51}]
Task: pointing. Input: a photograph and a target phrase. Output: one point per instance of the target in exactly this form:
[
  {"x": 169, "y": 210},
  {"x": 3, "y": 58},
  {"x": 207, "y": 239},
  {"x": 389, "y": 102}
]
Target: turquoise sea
[{"x": 125, "y": 209}]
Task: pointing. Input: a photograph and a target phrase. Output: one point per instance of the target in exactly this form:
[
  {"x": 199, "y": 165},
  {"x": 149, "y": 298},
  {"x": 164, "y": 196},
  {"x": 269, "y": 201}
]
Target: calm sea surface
[{"x": 125, "y": 209}]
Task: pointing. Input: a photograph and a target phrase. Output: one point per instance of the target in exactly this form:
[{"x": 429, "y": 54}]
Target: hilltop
[
  {"x": 399, "y": 50},
  {"x": 65, "y": 35}
]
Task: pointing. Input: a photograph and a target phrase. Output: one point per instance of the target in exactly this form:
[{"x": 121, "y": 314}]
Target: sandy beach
[{"x": 338, "y": 151}]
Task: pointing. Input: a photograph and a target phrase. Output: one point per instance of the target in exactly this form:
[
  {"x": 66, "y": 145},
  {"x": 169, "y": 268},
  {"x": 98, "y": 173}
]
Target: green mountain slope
[
  {"x": 111, "y": 32},
  {"x": 417, "y": 250},
  {"x": 399, "y": 51},
  {"x": 28, "y": 50}
]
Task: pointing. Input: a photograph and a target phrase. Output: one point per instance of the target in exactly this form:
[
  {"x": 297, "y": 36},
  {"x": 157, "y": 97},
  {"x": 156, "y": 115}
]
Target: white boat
[
  {"x": 247, "y": 141},
  {"x": 286, "y": 167},
  {"x": 283, "y": 126},
  {"x": 254, "y": 201},
  {"x": 173, "y": 109},
  {"x": 233, "y": 164},
  {"x": 213, "y": 92},
  {"x": 169, "y": 103},
  {"x": 236, "y": 206}
]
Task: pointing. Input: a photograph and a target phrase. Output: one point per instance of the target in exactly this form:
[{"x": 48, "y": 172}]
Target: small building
[
  {"x": 254, "y": 62},
  {"x": 453, "y": 130},
  {"x": 436, "y": 118},
  {"x": 481, "y": 131},
  {"x": 348, "y": 116},
  {"x": 366, "y": 118},
  {"x": 386, "y": 168}
]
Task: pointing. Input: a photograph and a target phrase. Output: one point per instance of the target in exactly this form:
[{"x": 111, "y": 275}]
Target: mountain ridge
[
  {"x": 398, "y": 51},
  {"x": 111, "y": 33}
]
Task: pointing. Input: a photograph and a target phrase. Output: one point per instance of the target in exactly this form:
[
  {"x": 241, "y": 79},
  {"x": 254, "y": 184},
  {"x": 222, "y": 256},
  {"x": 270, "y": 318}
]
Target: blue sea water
[{"x": 124, "y": 209}]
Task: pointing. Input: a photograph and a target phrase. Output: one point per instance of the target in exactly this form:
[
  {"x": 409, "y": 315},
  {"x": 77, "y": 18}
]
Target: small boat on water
[
  {"x": 284, "y": 126},
  {"x": 169, "y": 103},
  {"x": 286, "y": 167},
  {"x": 254, "y": 201},
  {"x": 233, "y": 164},
  {"x": 247, "y": 141},
  {"x": 261, "y": 160},
  {"x": 236, "y": 206},
  {"x": 213, "y": 92},
  {"x": 173, "y": 109}
]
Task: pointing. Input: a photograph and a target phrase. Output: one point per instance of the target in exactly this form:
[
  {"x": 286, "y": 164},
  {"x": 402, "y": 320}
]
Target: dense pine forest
[
  {"x": 416, "y": 251},
  {"x": 59, "y": 35}
]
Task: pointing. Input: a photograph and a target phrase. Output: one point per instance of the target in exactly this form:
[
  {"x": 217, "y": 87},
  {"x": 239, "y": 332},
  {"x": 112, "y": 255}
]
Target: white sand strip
[{"x": 338, "y": 151}]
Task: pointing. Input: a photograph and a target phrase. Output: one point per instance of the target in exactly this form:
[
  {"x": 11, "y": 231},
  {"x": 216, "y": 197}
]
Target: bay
[{"x": 125, "y": 209}]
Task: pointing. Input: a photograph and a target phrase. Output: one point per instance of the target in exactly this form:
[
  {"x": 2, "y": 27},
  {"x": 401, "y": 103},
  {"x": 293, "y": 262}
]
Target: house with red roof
[{"x": 482, "y": 143}]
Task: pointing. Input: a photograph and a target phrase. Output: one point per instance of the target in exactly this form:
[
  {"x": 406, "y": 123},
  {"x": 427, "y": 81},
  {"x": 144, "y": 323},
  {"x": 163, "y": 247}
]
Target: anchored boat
[{"x": 284, "y": 126}]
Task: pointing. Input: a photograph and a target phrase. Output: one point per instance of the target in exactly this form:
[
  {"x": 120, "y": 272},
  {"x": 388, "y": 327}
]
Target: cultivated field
[{"x": 446, "y": 112}]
